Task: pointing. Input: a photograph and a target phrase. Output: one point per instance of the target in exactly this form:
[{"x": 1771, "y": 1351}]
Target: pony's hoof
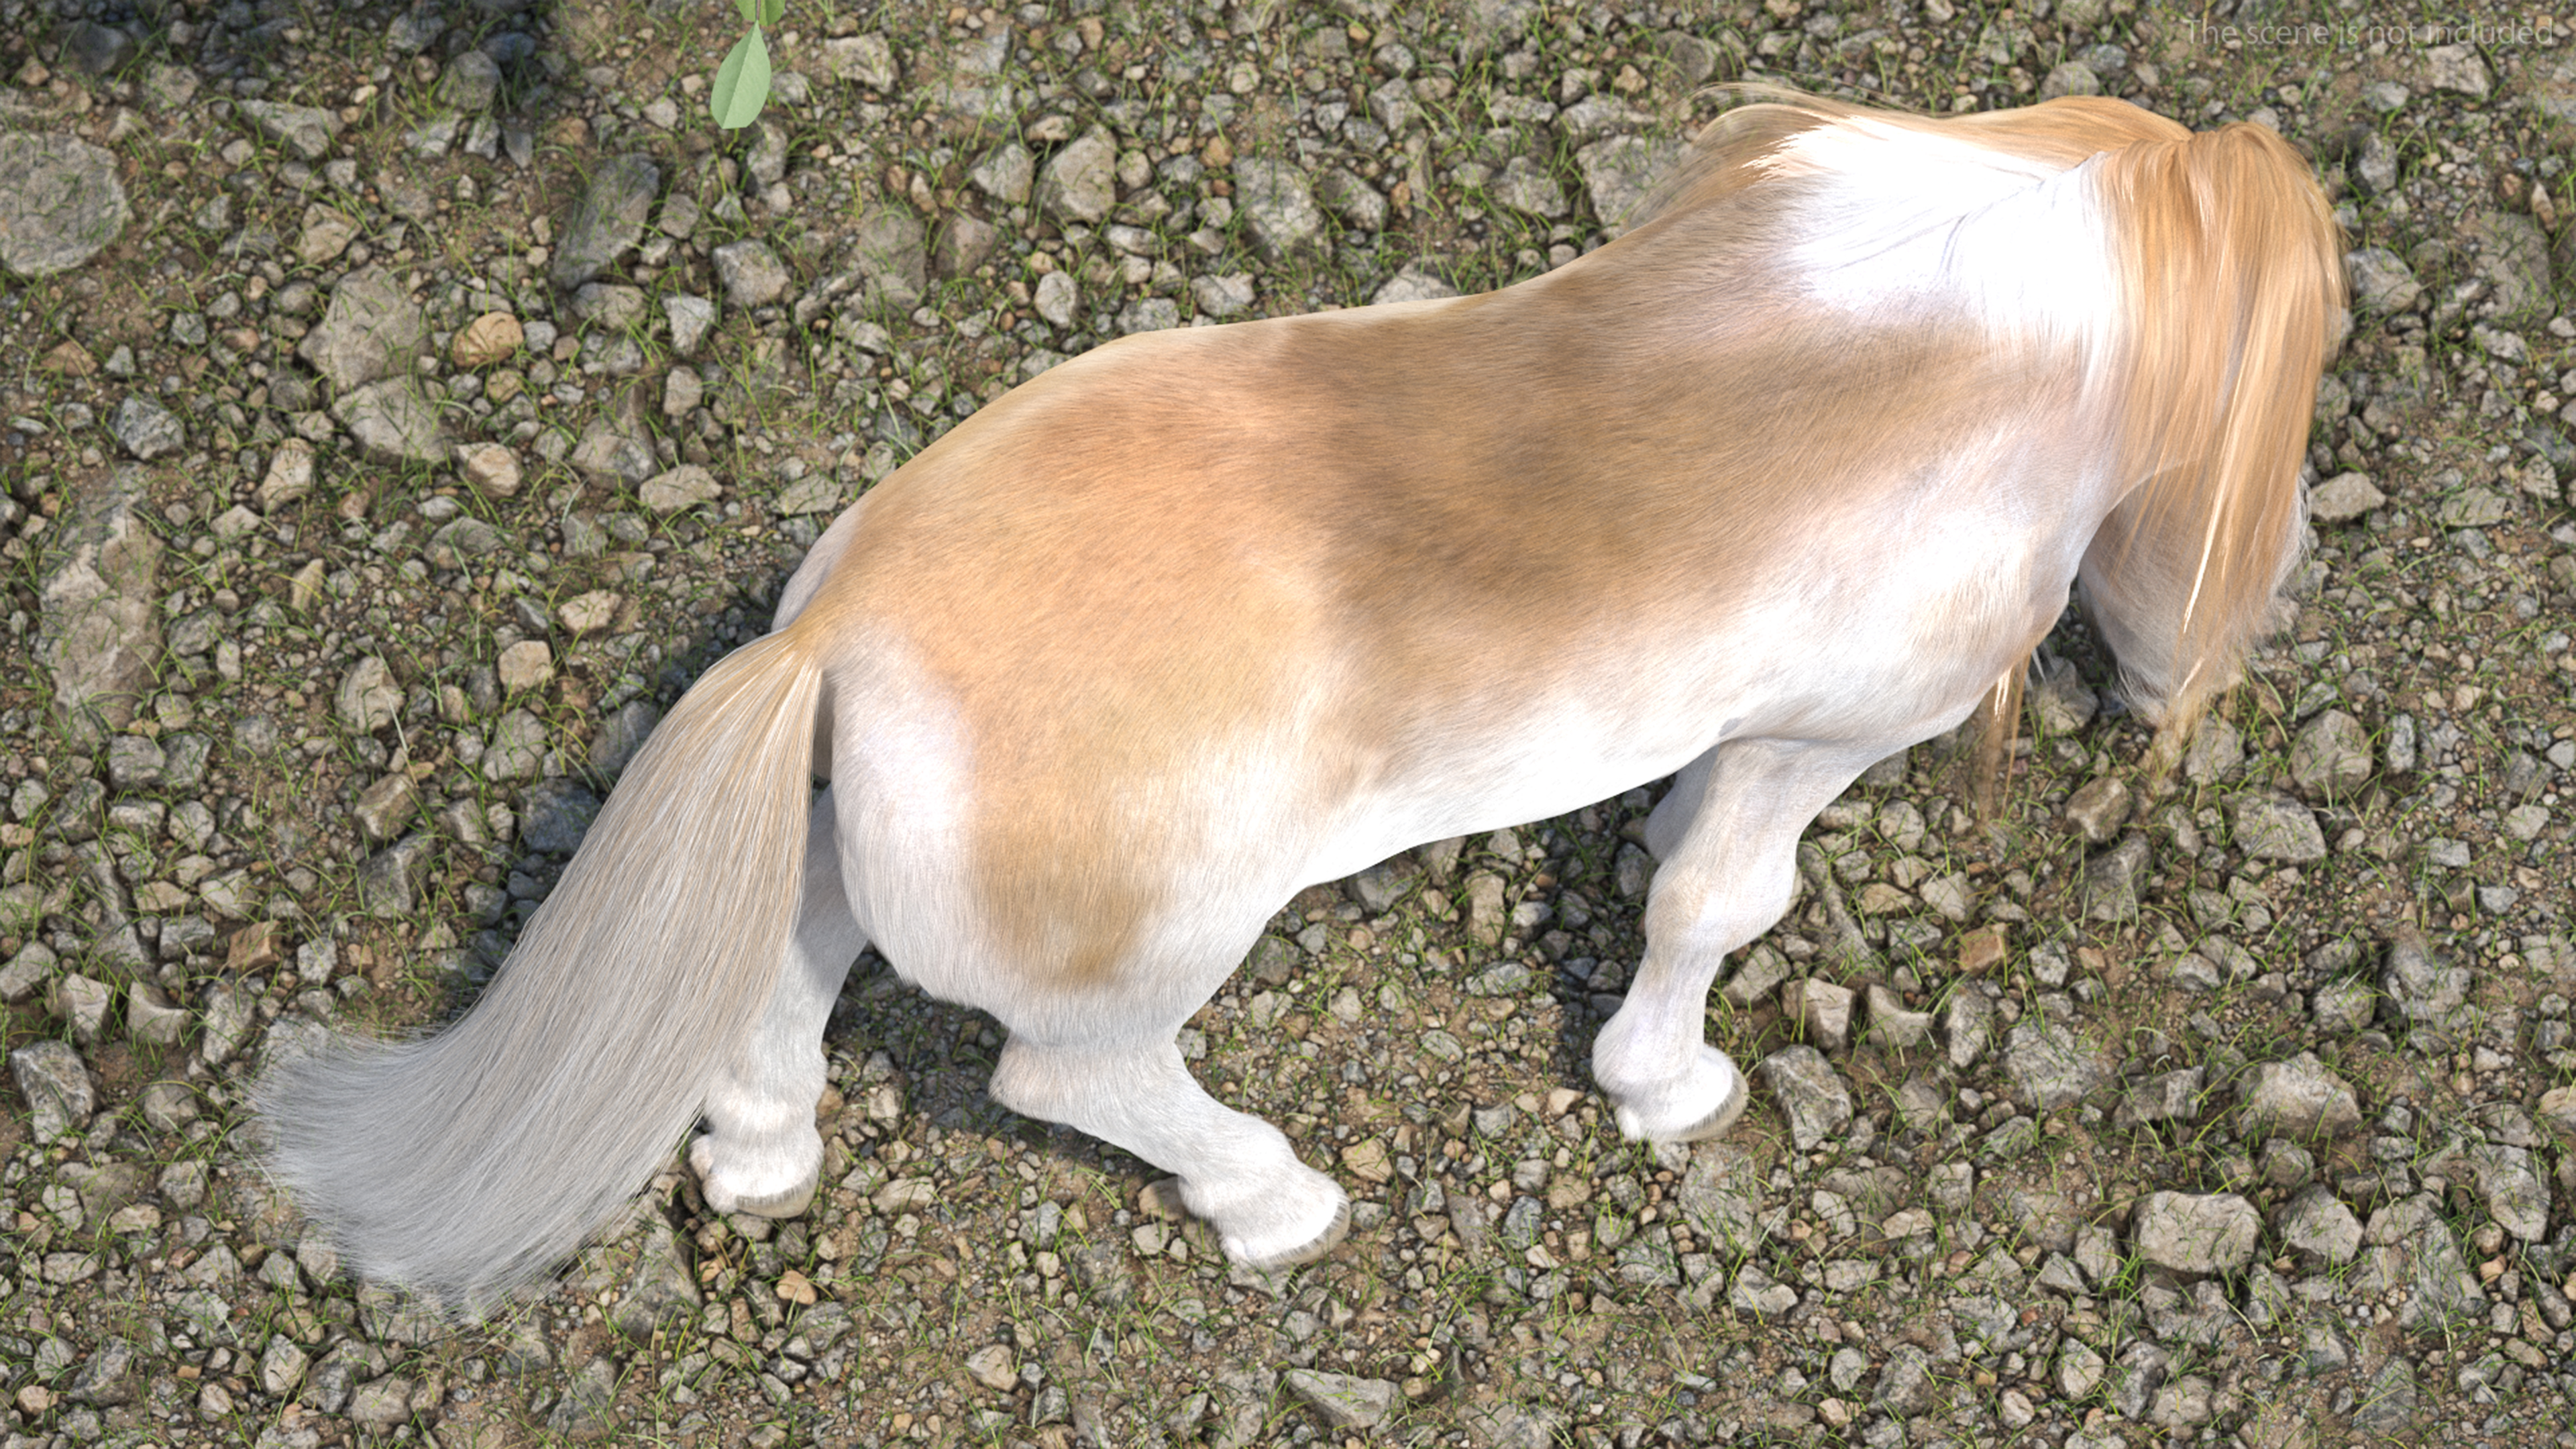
[
  {"x": 1322, "y": 1243},
  {"x": 726, "y": 1196},
  {"x": 1732, "y": 1095}
]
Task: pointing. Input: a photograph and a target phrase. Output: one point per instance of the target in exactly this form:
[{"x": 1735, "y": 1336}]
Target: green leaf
[
  {"x": 742, "y": 83},
  {"x": 750, "y": 11},
  {"x": 772, "y": 11}
]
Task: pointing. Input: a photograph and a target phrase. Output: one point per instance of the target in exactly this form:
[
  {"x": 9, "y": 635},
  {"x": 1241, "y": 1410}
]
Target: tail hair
[{"x": 467, "y": 1163}]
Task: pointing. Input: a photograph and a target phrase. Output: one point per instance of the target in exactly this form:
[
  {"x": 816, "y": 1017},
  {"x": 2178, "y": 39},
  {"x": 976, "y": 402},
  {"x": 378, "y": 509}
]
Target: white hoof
[
  {"x": 1294, "y": 1222},
  {"x": 761, "y": 1184},
  {"x": 1704, "y": 1104}
]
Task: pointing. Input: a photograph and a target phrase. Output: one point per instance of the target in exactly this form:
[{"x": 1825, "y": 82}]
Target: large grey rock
[
  {"x": 1810, "y": 1095},
  {"x": 305, "y": 130},
  {"x": 970, "y": 86},
  {"x": 145, "y": 429},
  {"x": 607, "y": 220},
  {"x": 2275, "y": 827},
  {"x": 392, "y": 422},
  {"x": 517, "y": 750},
  {"x": 2330, "y": 758},
  {"x": 2050, "y": 1065},
  {"x": 2300, "y": 1097},
  {"x": 55, "y": 1085},
  {"x": 2513, "y": 259},
  {"x": 555, "y": 814},
  {"x": 1416, "y": 282},
  {"x": 1278, "y": 209},
  {"x": 1080, "y": 182},
  {"x": 2196, "y": 1232},
  {"x": 60, "y": 202},
  {"x": 660, "y": 1291},
  {"x": 99, "y": 635}
]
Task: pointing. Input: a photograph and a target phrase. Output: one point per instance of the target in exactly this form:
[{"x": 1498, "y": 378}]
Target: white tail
[{"x": 471, "y": 1161}]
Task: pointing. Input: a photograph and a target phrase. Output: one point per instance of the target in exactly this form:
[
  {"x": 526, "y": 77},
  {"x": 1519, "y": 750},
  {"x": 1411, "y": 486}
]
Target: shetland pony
[{"x": 1778, "y": 483}]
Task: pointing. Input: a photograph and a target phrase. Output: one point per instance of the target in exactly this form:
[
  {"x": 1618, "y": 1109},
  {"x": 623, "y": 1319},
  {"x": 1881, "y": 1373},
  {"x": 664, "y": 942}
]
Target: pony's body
[{"x": 1781, "y": 482}]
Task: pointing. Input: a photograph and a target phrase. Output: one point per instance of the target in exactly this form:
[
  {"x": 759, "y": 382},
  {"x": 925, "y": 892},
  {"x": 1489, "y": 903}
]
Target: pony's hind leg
[
  {"x": 760, "y": 1153},
  {"x": 1236, "y": 1171},
  {"x": 1723, "y": 881}
]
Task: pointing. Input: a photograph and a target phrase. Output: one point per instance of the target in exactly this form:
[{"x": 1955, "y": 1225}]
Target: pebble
[
  {"x": 1278, "y": 208},
  {"x": 2300, "y": 1096},
  {"x": 2196, "y": 1232},
  {"x": 1810, "y": 1095},
  {"x": 1079, "y": 183}
]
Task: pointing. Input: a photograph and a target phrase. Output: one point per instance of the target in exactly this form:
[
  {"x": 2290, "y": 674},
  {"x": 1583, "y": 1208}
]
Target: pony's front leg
[
  {"x": 1727, "y": 874},
  {"x": 760, "y": 1153}
]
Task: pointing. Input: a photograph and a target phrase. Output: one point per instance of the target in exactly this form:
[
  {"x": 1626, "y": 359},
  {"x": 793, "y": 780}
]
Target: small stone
[
  {"x": 2386, "y": 1409},
  {"x": 2275, "y": 828},
  {"x": 1524, "y": 186},
  {"x": 862, "y": 60},
  {"x": 1224, "y": 296},
  {"x": 2473, "y": 508},
  {"x": 2330, "y": 759},
  {"x": 2196, "y": 1232},
  {"x": 1891, "y": 1025},
  {"x": 587, "y": 614},
  {"x": 368, "y": 697},
  {"x": 2344, "y": 497},
  {"x": 490, "y": 338},
  {"x": 2516, "y": 1197},
  {"x": 683, "y": 487},
  {"x": 55, "y": 1084},
  {"x": 1822, "y": 1010},
  {"x": 389, "y": 881},
  {"x": 1278, "y": 210},
  {"x": 1620, "y": 172},
  {"x": 691, "y": 319},
  {"x": 392, "y": 422},
  {"x": 751, "y": 273},
  {"x": 995, "y": 1367},
  {"x": 1811, "y": 1096},
  {"x": 1079, "y": 183},
  {"x": 83, "y": 1002},
  {"x": 1341, "y": 1400},
  {"x": 607, "y": 220},
  {"x": 2110, "y": 885},
  {"x": 609, "y": 306},
  {"x": 372, "y": 330},
  {"x": 2316, "y": 1221},
  {"x": 146, "y": 429},
  {"x": 386, "y": 807},
  {"x": 528, "y": 664},
  {"x": 1006, "y": 175},
  {"x": 305, "y": 130},
  {"x": 2458, "y": 68},
  {"x": 2099, "y": 809},
  {"x": 152, "y": 1018},
  {"x": 2050, "y": 1065},
  {"x": 290, "y": 476},
  {"x": 2300, "y": 1097},
  {"x": 491, "y": 469}
]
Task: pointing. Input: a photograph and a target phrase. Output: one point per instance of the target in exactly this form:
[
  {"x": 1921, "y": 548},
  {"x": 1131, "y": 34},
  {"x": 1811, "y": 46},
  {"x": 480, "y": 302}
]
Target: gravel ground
[{"x": 399, "y": 407}]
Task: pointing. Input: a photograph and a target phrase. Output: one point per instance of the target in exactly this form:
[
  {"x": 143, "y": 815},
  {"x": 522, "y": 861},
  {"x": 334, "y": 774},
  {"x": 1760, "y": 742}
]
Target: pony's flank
[{"x": 474, "y": 1160}]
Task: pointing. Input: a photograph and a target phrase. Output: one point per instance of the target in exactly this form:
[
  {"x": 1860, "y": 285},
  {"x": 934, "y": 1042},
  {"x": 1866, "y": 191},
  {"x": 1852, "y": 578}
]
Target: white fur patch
[{"x": 1899, "y": 220}]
